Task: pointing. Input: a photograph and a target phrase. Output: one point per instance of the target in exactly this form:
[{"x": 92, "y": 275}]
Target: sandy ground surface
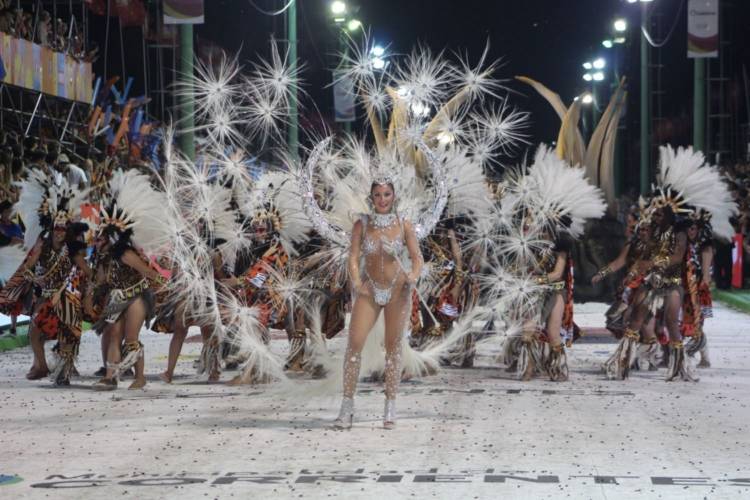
[{"x": 474, "y": 433}]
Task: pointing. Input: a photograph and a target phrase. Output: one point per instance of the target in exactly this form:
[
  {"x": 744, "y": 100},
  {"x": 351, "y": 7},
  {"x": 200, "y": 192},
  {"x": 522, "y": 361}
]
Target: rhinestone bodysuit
[{"x": 376, "y": 250}]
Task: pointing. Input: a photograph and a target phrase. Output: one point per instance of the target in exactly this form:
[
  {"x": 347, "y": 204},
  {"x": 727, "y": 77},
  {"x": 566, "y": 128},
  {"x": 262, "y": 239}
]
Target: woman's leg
[
  {"x": 648, "y": 331},
  {"x": 679, "y": 364},
  {"x": 214, "y": 371},
  {"x": 39, "y": 367},
  {"x": 135, "y": 315},
  {"x": 395, "y": 315},
  {"x": 557, "y": 364},
  {"x": 649, "y": 352},
  {"x": 175, "y": 347},
  {"x": 554, "y": 321},
  {"x": 672, "y": 306},
  {"x": 618, "y": 365},
  {"x": 364, "y": 314},
  {"x": 114, "y": 352},
  {"x": 106, "y": 337}
]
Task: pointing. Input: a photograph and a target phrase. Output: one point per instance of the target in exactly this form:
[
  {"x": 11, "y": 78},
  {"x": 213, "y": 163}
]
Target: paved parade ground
[{"x": 474, "y": 433}]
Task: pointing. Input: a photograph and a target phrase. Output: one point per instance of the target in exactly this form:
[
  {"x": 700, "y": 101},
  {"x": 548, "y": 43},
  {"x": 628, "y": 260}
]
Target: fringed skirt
[
  {"x": 17, "y": 295},
  {"x": 119, "y": 302},
  {"x": 567, "y": 332},
  {"x": 334, "y": 312}
]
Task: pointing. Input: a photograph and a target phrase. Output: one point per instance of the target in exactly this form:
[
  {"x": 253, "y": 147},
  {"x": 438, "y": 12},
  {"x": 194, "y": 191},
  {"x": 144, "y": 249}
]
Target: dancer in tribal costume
[
  {"x": 255, "y": 289},
  {"x": 49, "y": 281},
  {"x": 544, "y": 208},
  {"x": 271, "y": 283},
  {"x": 321, "y": 317},
  {"x": 685, "y": 185},
  {"x": 172, "y": 315},
  {"x": 698, "y": 304},
  {"x": 636, "y": 258},
  {"x": 451, "y": 291},
  {"x": 175, "y": 313},
  {"x": 132, "y": 228},
  {"x": 558, "y": 330}
]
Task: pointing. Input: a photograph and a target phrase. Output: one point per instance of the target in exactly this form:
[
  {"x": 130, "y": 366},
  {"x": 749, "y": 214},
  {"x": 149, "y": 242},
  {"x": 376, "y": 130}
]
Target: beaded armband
[
  {"x": 543, "y": 279},
  {"x": 604, "y": 272}
]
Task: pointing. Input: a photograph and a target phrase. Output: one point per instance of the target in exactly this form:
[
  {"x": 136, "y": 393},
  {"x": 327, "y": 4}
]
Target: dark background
[{"x": 547, "y": 40}]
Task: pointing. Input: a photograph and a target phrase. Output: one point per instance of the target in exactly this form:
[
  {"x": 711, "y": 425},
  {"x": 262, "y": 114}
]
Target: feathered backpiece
[
  {"x": 135, "y": 210},
  {"x": 688, "y": 185},
  {"x": 44, "y": 204},
  {"x": 559, "y": 197},
  {"x": 275, "y": 201},
  {"x": 438, "y": 124},
  {"x": 242, "y": 108}
]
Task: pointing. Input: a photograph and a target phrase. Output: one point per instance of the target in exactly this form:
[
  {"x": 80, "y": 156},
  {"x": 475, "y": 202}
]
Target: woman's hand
[{"x": 596, "y": 279}]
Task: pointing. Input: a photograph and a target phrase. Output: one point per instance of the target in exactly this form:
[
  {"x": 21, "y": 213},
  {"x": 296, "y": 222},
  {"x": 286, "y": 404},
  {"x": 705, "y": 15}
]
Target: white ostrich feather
[
  {"x": 33, "y": 191},
  {"x": 279, "y": 189},
  {"x": 261, "y": 362},
  {"x": 699, "y": 184},
  {"x": 467, "y": 186},
  {"x": 11, "y": 258},
  {"x": 560, "y": 190},
  {"x": 143, "y": 207}
]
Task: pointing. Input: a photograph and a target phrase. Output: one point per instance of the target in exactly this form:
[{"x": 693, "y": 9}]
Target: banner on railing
[
  {"x": 183, "y": 12},
  {"x": 31, "y": 66},
  {"x": 703, "y": 28}
]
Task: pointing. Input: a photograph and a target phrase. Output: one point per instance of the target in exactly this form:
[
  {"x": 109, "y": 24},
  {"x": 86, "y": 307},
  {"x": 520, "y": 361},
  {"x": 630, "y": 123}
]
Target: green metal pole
[
  {"x": 699, "y": 104},
  {"x": 293, "y": 133},
  {"x": 645, "y": 108},
  {"x": 187, "y": 104}
]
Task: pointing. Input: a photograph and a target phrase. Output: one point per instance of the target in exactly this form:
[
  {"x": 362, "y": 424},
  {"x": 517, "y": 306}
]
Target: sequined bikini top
[{"x": 393, "y": 247}]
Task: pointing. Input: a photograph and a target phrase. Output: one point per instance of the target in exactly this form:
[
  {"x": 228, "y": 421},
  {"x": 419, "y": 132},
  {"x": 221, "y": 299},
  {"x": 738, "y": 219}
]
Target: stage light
[
  {"x": 588, "y": 77},
  {"x": 338, "y": 7},
  {"x": 620, "y": 25},
  {"x": 599, "y": 63},
  {"x": 587, "y": 65},
  {"x": 598, "y": 76},
  {"x": 587, "y": 99},
  {"x": 607, "y": 44},
  {"x": 377, "y": 51},
  {"x": 353, "y": 25}
]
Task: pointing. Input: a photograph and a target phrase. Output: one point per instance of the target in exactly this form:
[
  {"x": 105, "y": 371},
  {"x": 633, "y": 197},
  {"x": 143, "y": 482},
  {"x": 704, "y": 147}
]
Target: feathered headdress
[
  {"x": 559, "y": 196},
  {"x": 688, "y": 185},
  {"x": 135, "y": 210},
  {"x": 274, "y": 199},
  {"x": 44, "y": 204}
]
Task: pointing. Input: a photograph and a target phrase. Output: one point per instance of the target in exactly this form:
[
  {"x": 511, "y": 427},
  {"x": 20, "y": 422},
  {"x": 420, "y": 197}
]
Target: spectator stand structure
[{"x": 46, "y": 84}]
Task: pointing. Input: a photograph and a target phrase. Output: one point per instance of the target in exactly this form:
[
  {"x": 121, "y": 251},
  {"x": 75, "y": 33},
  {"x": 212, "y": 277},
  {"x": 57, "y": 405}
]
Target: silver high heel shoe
[
  {"x": 346, "y": 414},
  {"x": 389, "y": 415}
]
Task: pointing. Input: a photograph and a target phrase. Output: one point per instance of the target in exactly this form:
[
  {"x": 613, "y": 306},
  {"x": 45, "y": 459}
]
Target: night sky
[{"x": 547, "y": 40}]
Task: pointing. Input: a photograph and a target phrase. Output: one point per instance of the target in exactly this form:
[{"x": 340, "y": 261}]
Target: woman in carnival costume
[
  {"x": 132, "y": 229},
  {"x": 50, "y": 279},
  {"x": 685, "y": 184},
  {"x": 544, "y": 209},
  {"x": 635, "y": 257}
]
